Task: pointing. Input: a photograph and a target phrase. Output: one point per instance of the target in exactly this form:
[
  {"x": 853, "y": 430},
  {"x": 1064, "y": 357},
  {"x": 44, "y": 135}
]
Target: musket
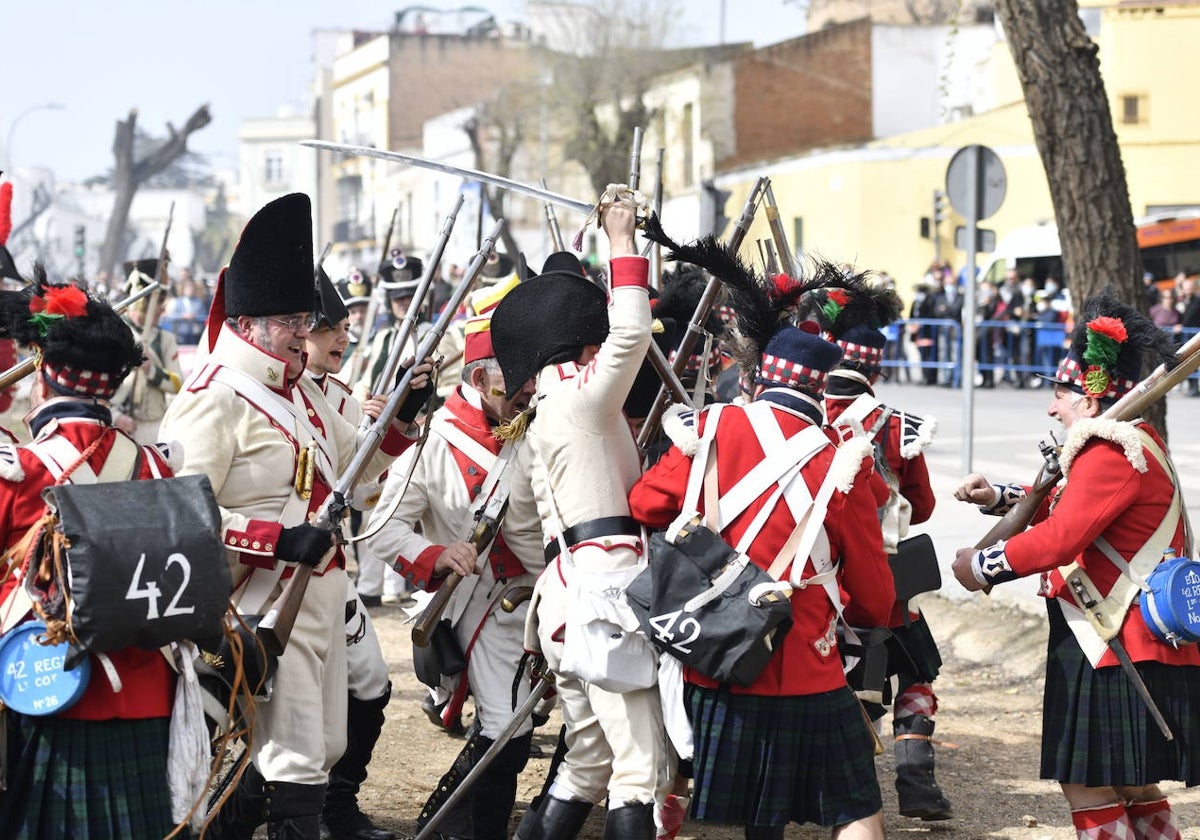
[
  {"x": 552, "y": 221},
  {"x": 449, "y": 169},
  {"x": 151, "y": 314},
  {"x": 488, "y": 520},
  {"x": 377, "y": 294},
  {"x": 653, "y": 250},
  {"x": 22, "y": 369},
  {"x": 520, "y": 714},
  {"x": 405, "y": 330},
  {"x": 654, "y": 353},
  {"x": 276, "y": 626},
  {"x": 1147, "y": 392},
  {"x": 707, "y": 299},
  {"x": 786, "y": 260}
]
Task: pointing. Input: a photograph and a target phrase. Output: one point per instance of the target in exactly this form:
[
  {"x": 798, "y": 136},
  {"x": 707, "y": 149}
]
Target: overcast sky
[{"x": 246, "y": 58}]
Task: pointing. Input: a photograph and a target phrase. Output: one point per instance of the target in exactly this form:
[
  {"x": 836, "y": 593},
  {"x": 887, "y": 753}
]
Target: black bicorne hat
[
  {"x": 271, "y": 270},
  {"x": 549, "y": 318},
  {"x": 86, "y": 348},
  {"x": 331, "y": 309},
  {"x": 139, "y": 274}
]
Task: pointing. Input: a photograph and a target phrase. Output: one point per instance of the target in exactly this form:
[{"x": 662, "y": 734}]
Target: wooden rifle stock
[
  {"x": 276, "y": 626},
  {"x": 482, "y": 534},
  {"x": 1150, "y": 390}
]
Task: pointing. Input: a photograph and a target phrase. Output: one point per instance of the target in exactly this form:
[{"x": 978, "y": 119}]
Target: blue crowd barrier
[{"x": 929, "y": 350}]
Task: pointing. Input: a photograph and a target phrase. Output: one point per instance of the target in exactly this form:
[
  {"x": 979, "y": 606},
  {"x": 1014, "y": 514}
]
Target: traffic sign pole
[{"x": 975, "y": 183}]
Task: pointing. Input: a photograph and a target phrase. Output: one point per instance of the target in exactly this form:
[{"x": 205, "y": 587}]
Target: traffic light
[
  {"x": 712, "y": 208},
  {"x": 939, "y": 207},
  {"x": 80, "y": 240}
]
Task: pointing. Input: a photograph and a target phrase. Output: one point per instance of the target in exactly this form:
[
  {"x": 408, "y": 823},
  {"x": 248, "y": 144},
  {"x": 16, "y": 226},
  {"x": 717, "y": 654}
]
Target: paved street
[{"x": 1008, "y": 425}]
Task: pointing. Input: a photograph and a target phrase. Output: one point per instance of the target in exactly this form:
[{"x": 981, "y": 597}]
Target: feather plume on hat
[
  {"x": 761, "y": 306},
  {"x": 846, "y": 300}
]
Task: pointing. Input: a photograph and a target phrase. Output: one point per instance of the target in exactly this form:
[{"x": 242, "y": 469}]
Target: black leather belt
[{"x": 605, "y": 526}]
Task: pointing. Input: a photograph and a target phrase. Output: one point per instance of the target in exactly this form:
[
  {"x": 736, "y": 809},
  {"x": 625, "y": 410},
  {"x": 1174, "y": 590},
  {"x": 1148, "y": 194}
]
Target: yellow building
[{"x": 863, "y": 205}]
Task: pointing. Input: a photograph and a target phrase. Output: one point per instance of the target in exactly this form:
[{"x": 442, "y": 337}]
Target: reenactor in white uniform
[
  {"x": 370, "y": 690},
  {"x": 585, "y": 354},
  {"x": 272, "y": 447},
  {"x": 462, "y": 466},
  {"x": 141, "y": 402}
]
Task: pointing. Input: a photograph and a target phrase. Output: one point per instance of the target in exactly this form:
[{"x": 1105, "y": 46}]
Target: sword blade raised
[{"x": 449, "y": 169}]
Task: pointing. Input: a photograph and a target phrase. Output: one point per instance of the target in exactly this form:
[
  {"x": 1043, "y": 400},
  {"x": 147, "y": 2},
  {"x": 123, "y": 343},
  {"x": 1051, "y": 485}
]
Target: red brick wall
[
  {"x": 805, "y": 93},
  {"x": 433, "y": 74}
]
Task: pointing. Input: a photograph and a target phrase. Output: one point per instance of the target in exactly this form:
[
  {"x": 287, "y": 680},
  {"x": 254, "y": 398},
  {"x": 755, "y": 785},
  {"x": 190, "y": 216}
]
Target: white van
[
  {"x": 1169, "y": 242},
  {"x": 1033, "y": 251}
]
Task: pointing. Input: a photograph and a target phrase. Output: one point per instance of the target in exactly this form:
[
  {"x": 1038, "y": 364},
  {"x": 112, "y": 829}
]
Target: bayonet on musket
[{"x": 462, "y": 172}]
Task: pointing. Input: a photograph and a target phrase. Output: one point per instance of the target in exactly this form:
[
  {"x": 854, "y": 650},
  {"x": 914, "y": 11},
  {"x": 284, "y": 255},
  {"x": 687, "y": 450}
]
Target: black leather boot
[
  {"x": 918, "y": 791},
  {"x": 634, "y": 821},
  {"x": 342, "y": 819},
  {"x": 242, "y": 812},
  {"x": 293, "y": 810},
  {"x": 764, "y": 832},
  {"x": 556, "y": 819},
  {"x": 495, "y": 791}
]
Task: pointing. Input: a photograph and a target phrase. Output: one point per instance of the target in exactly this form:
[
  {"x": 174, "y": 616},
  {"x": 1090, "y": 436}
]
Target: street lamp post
[{"x": 12, "y": 127}]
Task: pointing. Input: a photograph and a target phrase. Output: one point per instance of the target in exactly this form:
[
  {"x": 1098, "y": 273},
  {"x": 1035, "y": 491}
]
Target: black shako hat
[
  {"x": 549, "y": 318},
  {"x": 331, "y": 309},
  {"x": 139, "y": 274},
  {"x": 271, "y": 270}
]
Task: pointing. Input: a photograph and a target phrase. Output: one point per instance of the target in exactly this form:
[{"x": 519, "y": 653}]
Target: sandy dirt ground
[{"x": 990, "y": 694}]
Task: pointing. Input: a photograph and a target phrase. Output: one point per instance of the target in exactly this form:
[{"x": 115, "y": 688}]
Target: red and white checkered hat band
[
  {"x": 78, "y": 381},
  {"x": 861, "y": 353},
  {"x": 1092, "y": 379},
  {"x": 790, "y": 374},
  {"x": 693, "y": 362}
]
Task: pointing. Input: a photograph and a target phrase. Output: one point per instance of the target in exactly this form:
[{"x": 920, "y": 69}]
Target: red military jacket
[
  {"x": 1104, "y": 495},
  {"x": 807, "y": 661},
  {"x": 912, "y": 472},
  {"x": 907, "y": 463},
  {"x": 148, "y": 682}
]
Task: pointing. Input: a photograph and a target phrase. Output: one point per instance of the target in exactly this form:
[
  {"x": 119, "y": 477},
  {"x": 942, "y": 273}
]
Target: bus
[{"x": 1169, "y": 243}]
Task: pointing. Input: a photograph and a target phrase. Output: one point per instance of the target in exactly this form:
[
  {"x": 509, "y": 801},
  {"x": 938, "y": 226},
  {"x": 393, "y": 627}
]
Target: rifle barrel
[{"x": 276, "y": 626}]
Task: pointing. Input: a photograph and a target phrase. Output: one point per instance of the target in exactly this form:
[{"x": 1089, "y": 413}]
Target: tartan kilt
[
  {"x": 86, "y": 779},
  {"x": 1096, "y": 731},
  {"x": 767, "y": 760}
]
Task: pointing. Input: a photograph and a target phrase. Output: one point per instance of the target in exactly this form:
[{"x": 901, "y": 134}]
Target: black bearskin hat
[
  {"x": 851, "y": 310},
  {"x": 547, "y": 319},
  {"x": 768, "y": 349},
  {"x": 271, "y": 270},
  {"x": 86, "y": 349},
  {"x": 331, "y": 310},
  {"x": 1107, "y": 346}
]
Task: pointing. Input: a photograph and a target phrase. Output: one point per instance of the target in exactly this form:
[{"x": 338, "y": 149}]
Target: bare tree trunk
[
  {"x": 129, "y": 174},
  {"x": 1060, "y": 74}
]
